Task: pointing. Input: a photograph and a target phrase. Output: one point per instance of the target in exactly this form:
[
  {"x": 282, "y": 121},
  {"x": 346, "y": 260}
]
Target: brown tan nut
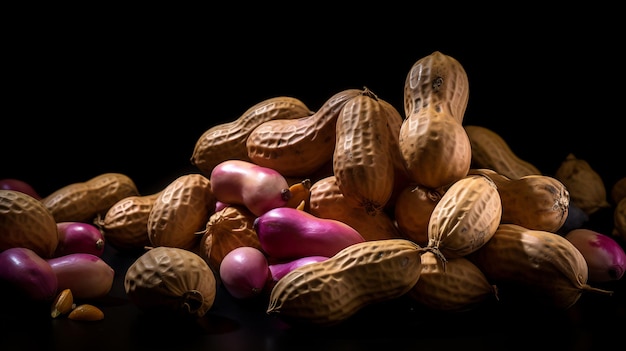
[
  {"x": 86, "y": 312},
  {"x": 63, "y": 303}
]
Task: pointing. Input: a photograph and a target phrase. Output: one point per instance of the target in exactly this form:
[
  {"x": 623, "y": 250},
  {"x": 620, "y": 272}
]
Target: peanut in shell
[
  {"x": 541, "y": 265},
  {"x": 465, "y": 218},
  {"x": 462, "y": 286},
  {"x": 328, "y": 292},
  {"x": 171, "y": 280},
  {"x": 227, "y": 141},
  {"x": 26, "y": 222},
  {"x": 181, "y": 211}
]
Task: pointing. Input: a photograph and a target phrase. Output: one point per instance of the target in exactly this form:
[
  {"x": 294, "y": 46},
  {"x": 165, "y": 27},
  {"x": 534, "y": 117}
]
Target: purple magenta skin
[{"x": 28, "y": 273}]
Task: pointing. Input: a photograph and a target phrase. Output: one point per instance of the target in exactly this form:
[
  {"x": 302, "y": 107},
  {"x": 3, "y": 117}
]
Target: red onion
[
  {"x": 280, "y": 269},
  {"x": 605, "y": 257},
  {"x": 245, "y": 183},
  {"x": 28, "y": 273},
  {"x": 19, "y": 185},
  {"x": 244, "y": 271},
  {"x": 87, "y": 275},
  {"x": 287, "y": 233},
  {"x": 79, "y": 237},
  {"x": 219, "y": 205}
]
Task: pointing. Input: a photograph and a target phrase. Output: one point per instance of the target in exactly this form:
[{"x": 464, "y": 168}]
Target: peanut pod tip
[
  {"x": 441, "y": 259},
  {"x": 587, "y": 287},
  {"x": 192, "y": 301}
]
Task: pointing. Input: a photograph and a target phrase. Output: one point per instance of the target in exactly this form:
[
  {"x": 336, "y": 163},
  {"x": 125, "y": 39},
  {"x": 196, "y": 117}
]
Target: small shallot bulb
[
  {"x": 27, "y": 274},
  {"x": 605, "y": 258},
  {"x": 87, "y": 275},
  {"x": 244, "y": 271},
  {"x": 79, "y": 237}
]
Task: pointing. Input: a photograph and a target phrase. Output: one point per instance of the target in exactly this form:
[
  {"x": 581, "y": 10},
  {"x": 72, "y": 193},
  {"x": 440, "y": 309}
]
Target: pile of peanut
[{"x": 447, "y": 211}]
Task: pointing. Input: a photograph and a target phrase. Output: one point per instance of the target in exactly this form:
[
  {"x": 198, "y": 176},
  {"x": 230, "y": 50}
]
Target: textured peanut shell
[
  {"x": 84, "y": 201},
  {"x": 298, "y": 147},
  {"x": 228, "y": 140},
  {"x": 435, "y": 148},
  {"x": 26, "y": 222},
  {"x": 534, "y": 201},
  {"x": 490, "y": 150},
  {"x": 171, "y": 279},
  {"x": 181, "y": 211},
  {"x": 329, "y": 292},
  {"x": 401, "y": 177},
  {"x": 462, "y": 286},
  {"x": 227, "y": 229},
  {"x": 362, "y": 161},
  {"x": 327, "y": 201},
  {"x": 125, "y": 224},
  {"x": 413, "y": 208},
  {"x": 437, "y": 80},
  {"x": 465, "y": 218},
  {"x": 584, "y": 184},
  {"x": 547, "y": 267}
]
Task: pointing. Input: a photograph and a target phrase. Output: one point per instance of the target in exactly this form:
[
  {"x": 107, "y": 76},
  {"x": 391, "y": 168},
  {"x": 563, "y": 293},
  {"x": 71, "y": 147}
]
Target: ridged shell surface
[
  {"x": 541, "y": 263},
  {"x": 466, "y": 217},
  {"x": 362, "y": 161},
  {"x": 437, "y": 80},
  {"x": 181, "y": 210},
  {"x": 228, "y": 140},
  {"x": 26, "y": 222},
  {"x": 173, "y": 280},
  {"x": 328, "y": 292},
  {"x": 298, "y": 147},
  {"x": 435, "y": 148}
]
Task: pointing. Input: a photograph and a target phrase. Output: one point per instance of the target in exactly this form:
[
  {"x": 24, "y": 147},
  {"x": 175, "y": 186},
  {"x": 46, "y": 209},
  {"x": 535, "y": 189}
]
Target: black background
[
  {"x": 132, "y": 92},
  {"x": 87, "y": 91}
]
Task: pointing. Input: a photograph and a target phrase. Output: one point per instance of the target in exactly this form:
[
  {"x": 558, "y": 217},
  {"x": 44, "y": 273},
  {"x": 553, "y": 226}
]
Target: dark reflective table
[{"x": 594, "y": 322}]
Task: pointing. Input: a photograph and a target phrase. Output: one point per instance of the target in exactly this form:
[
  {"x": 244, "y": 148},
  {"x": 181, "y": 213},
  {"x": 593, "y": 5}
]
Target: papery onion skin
[
  {"x": 605, "y": 257},
  {"x": 28, "y": 273},
  {"x": 87, "y": 275},
  {"x": 79, "y": 237},
  {"x": 244, "y": 271}
]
